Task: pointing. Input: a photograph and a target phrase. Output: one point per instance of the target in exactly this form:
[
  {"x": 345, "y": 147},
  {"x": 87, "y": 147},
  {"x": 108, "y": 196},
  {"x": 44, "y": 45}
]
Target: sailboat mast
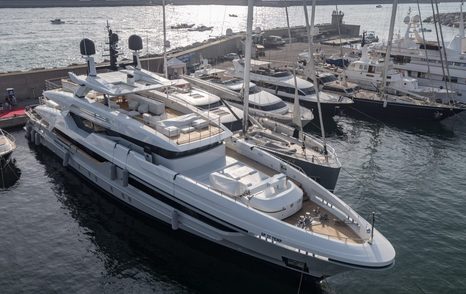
[
  {"x": 461, "y": 20},
  {"x": 247, "y": 65},
  {"x": 389, "y": 46},
  {"x": 296, "y": 107},
  {"x": 310, "y": 39},
  {"x": 165, "y": 65}
]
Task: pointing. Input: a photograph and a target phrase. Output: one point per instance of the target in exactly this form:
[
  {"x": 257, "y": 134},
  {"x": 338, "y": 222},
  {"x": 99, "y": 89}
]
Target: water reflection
[{"x": 9, "y": 174}]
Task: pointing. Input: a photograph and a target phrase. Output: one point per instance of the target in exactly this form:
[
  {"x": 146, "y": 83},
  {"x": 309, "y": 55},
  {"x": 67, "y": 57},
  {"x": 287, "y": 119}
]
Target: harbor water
[{"x": 60, "y": 234}]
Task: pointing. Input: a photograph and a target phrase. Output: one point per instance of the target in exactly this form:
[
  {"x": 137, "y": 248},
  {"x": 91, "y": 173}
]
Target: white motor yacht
[
  {"x": 177, "y": 167},
  {"x": 7, "y": 146},
  {"x": 261, "y": 103},
  {"x": 281, "y": 83}
]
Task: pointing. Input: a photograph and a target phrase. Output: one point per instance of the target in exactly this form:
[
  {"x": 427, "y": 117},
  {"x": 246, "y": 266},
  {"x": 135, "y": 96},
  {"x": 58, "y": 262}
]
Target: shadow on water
[
  {"x": 9, "y": 174},
  {"x": 434, "y": 129},
  {"x": 331, "y": 127},
  {"x": 123, "y": 235}
]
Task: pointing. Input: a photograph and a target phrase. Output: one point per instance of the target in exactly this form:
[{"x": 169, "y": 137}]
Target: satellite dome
[
  {"x": 87, "y": 47},
  {"x": 416, "y": 19},
  {"x": 135, "y": 43},
  {"x": 407, "y": 19}
]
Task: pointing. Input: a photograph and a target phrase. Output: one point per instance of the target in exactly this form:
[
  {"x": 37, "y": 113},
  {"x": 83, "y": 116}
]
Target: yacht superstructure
[
  {"x": 368, "y": 73},
  {"x": 180, "y": 168},
  {"x": 421, "y": 59}
]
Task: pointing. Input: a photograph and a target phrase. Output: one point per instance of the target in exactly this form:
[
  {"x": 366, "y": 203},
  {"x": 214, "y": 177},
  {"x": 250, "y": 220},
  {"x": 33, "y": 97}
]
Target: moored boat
[
  {"x": 186, "y": 170},
  {"x": 7, "y": 146}
]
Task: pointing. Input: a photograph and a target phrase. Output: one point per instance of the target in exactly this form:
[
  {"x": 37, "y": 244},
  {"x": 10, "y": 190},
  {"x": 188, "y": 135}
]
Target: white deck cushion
[
  {"x": 143, "y": 108},
  {"x": 133, "y": 113},
  {"x": 146, "y": 117},
  {"x": 227, "y": 185},
  {"x": 200, "y": 123},
  {"x": 133, "y": 105},
  {"x": 169, "y": 131}
]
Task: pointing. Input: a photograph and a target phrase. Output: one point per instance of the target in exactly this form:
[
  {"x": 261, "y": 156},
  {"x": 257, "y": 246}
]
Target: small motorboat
[
  {"x": 200, "y": 29},
  {"x": 182, "y": 26},
  {"x": 7, "y": 146},
  {"x": 57, "y": 21},
  {"x": 379, "y": 6},
  {"x": 426, "y": 30},
  {"x": 233, "y": 15},
  {"x": 11, "y": 115}
]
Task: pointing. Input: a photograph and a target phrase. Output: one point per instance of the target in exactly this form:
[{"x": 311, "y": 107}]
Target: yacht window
[
  {"x": 211, "y": 105},
  {"x": 87, "y": 125},
  {"x": 281, "y": 74},
  {"x": 307, "y": 91},
  {"x": 254, "y": 90},
  {"x": 234, "y": 126},
  {"x": 288, "y": 90},
  {"x": 328, "y": 79},
  {"x": 360, "y": 66},
  {"x": 332, "y": 89},
  {"x": 452, "y": 79},
  {"x": 267, "y": 86},
  {"x": 372, "y": 69}
]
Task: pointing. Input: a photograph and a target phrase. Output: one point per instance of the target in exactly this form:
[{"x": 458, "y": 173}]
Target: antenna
[{"x": 113, "y": 47}]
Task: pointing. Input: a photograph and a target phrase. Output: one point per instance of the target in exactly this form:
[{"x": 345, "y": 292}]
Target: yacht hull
[
  {"x": 324, "y": 175},
  {"x": 395, "y": 110},
  {"x": 5, "y": 159},
  {"x": 172, "y": 209},
  {"x": 328, "y": 109}
]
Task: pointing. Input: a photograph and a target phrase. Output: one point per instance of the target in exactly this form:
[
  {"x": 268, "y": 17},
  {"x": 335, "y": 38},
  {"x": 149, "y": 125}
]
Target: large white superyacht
[
  {"x": 177, "y": 168},
  {"x": 426, "y": 61}
]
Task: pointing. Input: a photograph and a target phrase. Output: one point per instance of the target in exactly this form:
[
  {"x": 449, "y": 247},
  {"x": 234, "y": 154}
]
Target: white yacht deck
[{"x": 315, "y": 219}]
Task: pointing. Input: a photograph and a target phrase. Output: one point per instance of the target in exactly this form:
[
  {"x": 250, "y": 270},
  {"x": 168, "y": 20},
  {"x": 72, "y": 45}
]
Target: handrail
[
  {"x": 52, "y": 85},
  {"x": 9, "y": 137}
]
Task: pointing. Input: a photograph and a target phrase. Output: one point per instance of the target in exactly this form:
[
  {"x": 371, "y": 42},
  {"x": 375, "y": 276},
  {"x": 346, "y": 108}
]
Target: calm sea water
[
  {"x": 61, "y": 235},
  {"x": 28, "y": 39}
]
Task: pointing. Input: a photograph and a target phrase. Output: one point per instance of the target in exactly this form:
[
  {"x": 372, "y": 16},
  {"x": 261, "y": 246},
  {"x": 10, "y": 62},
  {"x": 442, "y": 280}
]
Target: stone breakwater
[{"x": 451, "y": 19}]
